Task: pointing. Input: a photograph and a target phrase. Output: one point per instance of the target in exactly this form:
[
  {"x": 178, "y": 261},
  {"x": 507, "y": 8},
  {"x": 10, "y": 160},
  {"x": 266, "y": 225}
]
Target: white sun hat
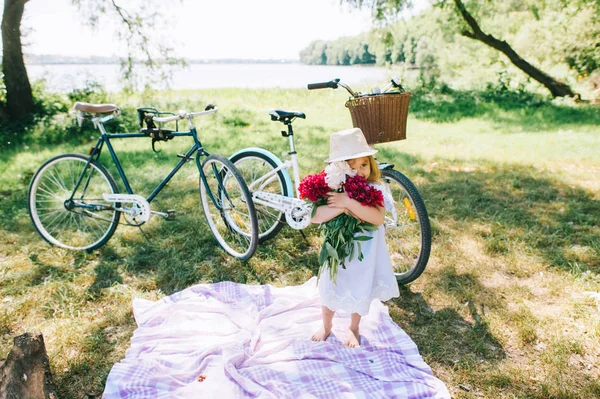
[{"x": 348, "y": 144}]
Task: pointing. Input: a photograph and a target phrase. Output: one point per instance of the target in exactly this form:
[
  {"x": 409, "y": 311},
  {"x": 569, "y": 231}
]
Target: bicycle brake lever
[{"x": 154, "y": 141}]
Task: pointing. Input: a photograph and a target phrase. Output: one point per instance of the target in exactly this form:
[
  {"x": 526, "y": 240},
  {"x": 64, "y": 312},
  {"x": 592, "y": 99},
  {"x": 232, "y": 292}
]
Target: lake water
[{"x": 66, "y": 77}]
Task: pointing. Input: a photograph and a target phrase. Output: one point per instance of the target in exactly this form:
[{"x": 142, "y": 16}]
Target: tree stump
[{"x": 25, "y": 374}]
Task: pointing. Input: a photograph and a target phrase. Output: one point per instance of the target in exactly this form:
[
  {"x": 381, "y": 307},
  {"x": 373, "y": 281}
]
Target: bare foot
[
  {"x": 352, "y": 338},
  {"x": 321, "y": 334}
]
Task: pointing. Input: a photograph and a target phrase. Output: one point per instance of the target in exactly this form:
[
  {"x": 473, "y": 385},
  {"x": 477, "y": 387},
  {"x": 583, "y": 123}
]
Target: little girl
[{"x": 360, "y": 282}]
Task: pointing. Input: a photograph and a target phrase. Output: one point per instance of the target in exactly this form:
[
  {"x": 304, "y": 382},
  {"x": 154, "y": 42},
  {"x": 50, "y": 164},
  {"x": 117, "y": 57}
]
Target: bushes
[{"x": 51, "y": 122}]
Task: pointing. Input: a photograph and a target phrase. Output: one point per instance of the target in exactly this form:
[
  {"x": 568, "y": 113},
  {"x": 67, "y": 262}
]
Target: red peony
[
  {"x": 314, "y": 187},
  {"x": 341, "y": 232},
  {"x": 358, "y": 188}
]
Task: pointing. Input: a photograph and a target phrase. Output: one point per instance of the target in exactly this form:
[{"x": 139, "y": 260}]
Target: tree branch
[
  {"x": 469, "y": 19},
  {"x": 124, "y": 18},
  {"x": 468, "y": 34},
  {"x": 557, "y": 88}
]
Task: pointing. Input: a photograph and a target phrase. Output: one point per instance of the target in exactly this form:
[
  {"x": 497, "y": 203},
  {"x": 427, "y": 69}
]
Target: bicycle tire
[
  {"x": 66, "y": 226},
  {"x": 231, "y": 216},
  {"x": 252, "y": 165},
  {"x": 408, "y": 230}
]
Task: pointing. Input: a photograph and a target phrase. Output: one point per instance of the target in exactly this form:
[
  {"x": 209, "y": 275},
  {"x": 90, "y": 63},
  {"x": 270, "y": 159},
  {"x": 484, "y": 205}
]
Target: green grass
[{"x": 512, "y": 187}]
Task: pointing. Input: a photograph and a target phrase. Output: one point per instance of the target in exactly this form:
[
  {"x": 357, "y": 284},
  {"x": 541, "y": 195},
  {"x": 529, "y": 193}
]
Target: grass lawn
[{"x": 502, "y": 311}]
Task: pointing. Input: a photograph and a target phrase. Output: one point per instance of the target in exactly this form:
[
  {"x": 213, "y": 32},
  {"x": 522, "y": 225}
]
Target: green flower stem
[{"x": 340, "y": 234}]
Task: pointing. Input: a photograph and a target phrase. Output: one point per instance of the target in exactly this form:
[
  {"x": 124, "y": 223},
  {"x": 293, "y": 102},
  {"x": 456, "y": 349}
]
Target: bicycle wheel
[
  {"x": 407, "y": 229},
  {"x": 66, "y": 205},
  {"x": 253, "y": 165},
  {"x": 228, "y": 207}
]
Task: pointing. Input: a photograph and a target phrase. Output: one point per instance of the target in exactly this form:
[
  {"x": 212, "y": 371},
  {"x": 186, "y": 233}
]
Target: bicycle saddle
[
  {"x": 95, "y": 108},
  {"x": 280, "y": 115}
]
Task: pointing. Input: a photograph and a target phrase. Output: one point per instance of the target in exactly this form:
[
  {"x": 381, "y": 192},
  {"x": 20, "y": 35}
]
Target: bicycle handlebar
[
  {"x": 333, "y": 84},
  {"x": 181, "y": 114}
]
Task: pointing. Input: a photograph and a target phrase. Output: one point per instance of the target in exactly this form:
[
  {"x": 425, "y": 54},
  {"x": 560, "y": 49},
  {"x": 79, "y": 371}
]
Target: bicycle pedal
[{"x": 170, "y": 214}]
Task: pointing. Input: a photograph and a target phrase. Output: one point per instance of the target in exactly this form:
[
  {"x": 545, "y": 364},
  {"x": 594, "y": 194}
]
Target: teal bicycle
[{"x": 74, "y": 202}]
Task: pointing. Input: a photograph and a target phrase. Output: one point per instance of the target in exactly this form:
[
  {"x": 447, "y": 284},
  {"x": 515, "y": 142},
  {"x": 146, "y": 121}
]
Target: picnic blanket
[{"x": 229, "y": 340}]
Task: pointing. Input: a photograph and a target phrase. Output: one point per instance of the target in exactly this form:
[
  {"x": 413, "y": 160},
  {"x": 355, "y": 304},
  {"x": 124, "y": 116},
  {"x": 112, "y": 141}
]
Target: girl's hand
[{"x": 338, "y": 200}]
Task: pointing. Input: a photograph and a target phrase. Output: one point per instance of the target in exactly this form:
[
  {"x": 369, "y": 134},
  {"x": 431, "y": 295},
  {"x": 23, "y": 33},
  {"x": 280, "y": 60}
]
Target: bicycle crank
[
  {"x": 297, "y": 211},
  {"x": 138, "y": 213}
]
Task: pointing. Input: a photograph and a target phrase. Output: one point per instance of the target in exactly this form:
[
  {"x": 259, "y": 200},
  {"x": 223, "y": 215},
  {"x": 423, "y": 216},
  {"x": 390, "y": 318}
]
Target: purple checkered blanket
[{"x": 231, "y": 340}]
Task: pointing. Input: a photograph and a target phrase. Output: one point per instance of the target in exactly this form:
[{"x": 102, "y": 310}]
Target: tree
[
  {"x": 314, "y": 54},
  {"x": 557, "y": 88},
  {"x": 135, "y": 30},
  {"x": 384, "y": 9},
  {"x": 19, "y": 99}
]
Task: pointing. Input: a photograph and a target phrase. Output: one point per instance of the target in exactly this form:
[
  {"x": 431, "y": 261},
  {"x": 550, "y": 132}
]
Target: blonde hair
[{"x": 375, "y": 172}]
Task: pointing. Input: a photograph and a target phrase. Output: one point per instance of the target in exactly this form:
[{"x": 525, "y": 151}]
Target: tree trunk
[
  {"x": 26, "y": 371},
  {"x": 19, "y": 99},
  {"x": 558, "y": 89}
]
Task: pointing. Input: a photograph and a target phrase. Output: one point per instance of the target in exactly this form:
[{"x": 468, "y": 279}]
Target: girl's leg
[
  {"x": 323, "y": 332},
  {"x": 353, "y": 337}
]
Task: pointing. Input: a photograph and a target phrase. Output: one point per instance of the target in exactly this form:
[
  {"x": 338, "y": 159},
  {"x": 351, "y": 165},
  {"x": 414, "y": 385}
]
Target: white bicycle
[{"x": 277, "y": 200}]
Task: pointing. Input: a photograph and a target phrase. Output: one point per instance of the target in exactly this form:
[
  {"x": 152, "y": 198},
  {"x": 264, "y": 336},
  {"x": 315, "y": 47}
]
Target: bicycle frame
[
  {"x": 284, "y": 203},
  {"x": 105, "y": 138},
  {"x": 293, "y": 163}
]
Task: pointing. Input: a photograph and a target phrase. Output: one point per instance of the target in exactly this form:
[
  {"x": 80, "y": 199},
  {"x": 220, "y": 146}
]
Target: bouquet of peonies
[{"x": 340, "y": 233}]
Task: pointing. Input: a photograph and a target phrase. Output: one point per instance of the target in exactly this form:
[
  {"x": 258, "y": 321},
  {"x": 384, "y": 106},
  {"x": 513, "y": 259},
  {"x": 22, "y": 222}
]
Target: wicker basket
[{"x": 381, "y": 117}]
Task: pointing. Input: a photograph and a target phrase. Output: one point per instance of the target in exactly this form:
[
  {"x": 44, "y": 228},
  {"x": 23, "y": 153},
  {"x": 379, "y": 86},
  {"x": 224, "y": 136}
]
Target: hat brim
[{"x": 347, "y": 157}]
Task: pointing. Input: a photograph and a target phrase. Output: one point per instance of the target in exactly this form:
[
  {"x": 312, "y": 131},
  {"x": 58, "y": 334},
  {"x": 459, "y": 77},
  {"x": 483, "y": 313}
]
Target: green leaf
[
  {"x": 322, "y": 254},
  {"x": 369, "y": 227},
  {"x": 331, "y": 251},
  {"x": 363, "y": 238},
  {"x": 341, "y": 238}
]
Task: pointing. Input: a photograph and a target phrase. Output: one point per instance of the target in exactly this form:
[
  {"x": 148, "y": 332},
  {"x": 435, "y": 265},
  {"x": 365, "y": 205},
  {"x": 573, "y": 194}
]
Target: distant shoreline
[
  {"x": 51, "y": 59},
  {"x": 68, "y": 77}
]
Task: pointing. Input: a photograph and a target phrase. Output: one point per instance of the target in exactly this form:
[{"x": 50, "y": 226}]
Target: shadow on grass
[
  {"x": 519, "y": 205},
  {"x": 40, "y": 273},
  {"x": 86, "y": 374},
  {"x": 173, "y": 253},
  {"x": 184, "y": 252},
  {"x": 43, "y": 272},
  {"x": 106, "y": 276},
  {"x": 444, "y": 336},
  {"x": 515, "y": 206}
]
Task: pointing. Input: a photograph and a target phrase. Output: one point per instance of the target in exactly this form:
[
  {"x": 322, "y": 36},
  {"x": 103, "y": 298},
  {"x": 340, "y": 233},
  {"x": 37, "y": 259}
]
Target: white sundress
[{"x": 362, "y": 281}]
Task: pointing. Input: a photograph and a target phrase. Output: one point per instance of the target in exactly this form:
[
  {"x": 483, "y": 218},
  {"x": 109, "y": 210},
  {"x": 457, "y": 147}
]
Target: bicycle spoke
[
  {"x": 55, "y": 218},
  {"x": 77, "y": 227},
  {"x": 52, "y": 209},
  {"x": 50, "y": 193},
  {"x": 55, "y": 179},
  {"x": 254, "y": 166}
]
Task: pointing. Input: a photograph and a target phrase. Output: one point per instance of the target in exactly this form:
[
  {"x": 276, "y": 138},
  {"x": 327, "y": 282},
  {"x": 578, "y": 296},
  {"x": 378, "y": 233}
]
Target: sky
[{"x": 199, "y": 29}]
